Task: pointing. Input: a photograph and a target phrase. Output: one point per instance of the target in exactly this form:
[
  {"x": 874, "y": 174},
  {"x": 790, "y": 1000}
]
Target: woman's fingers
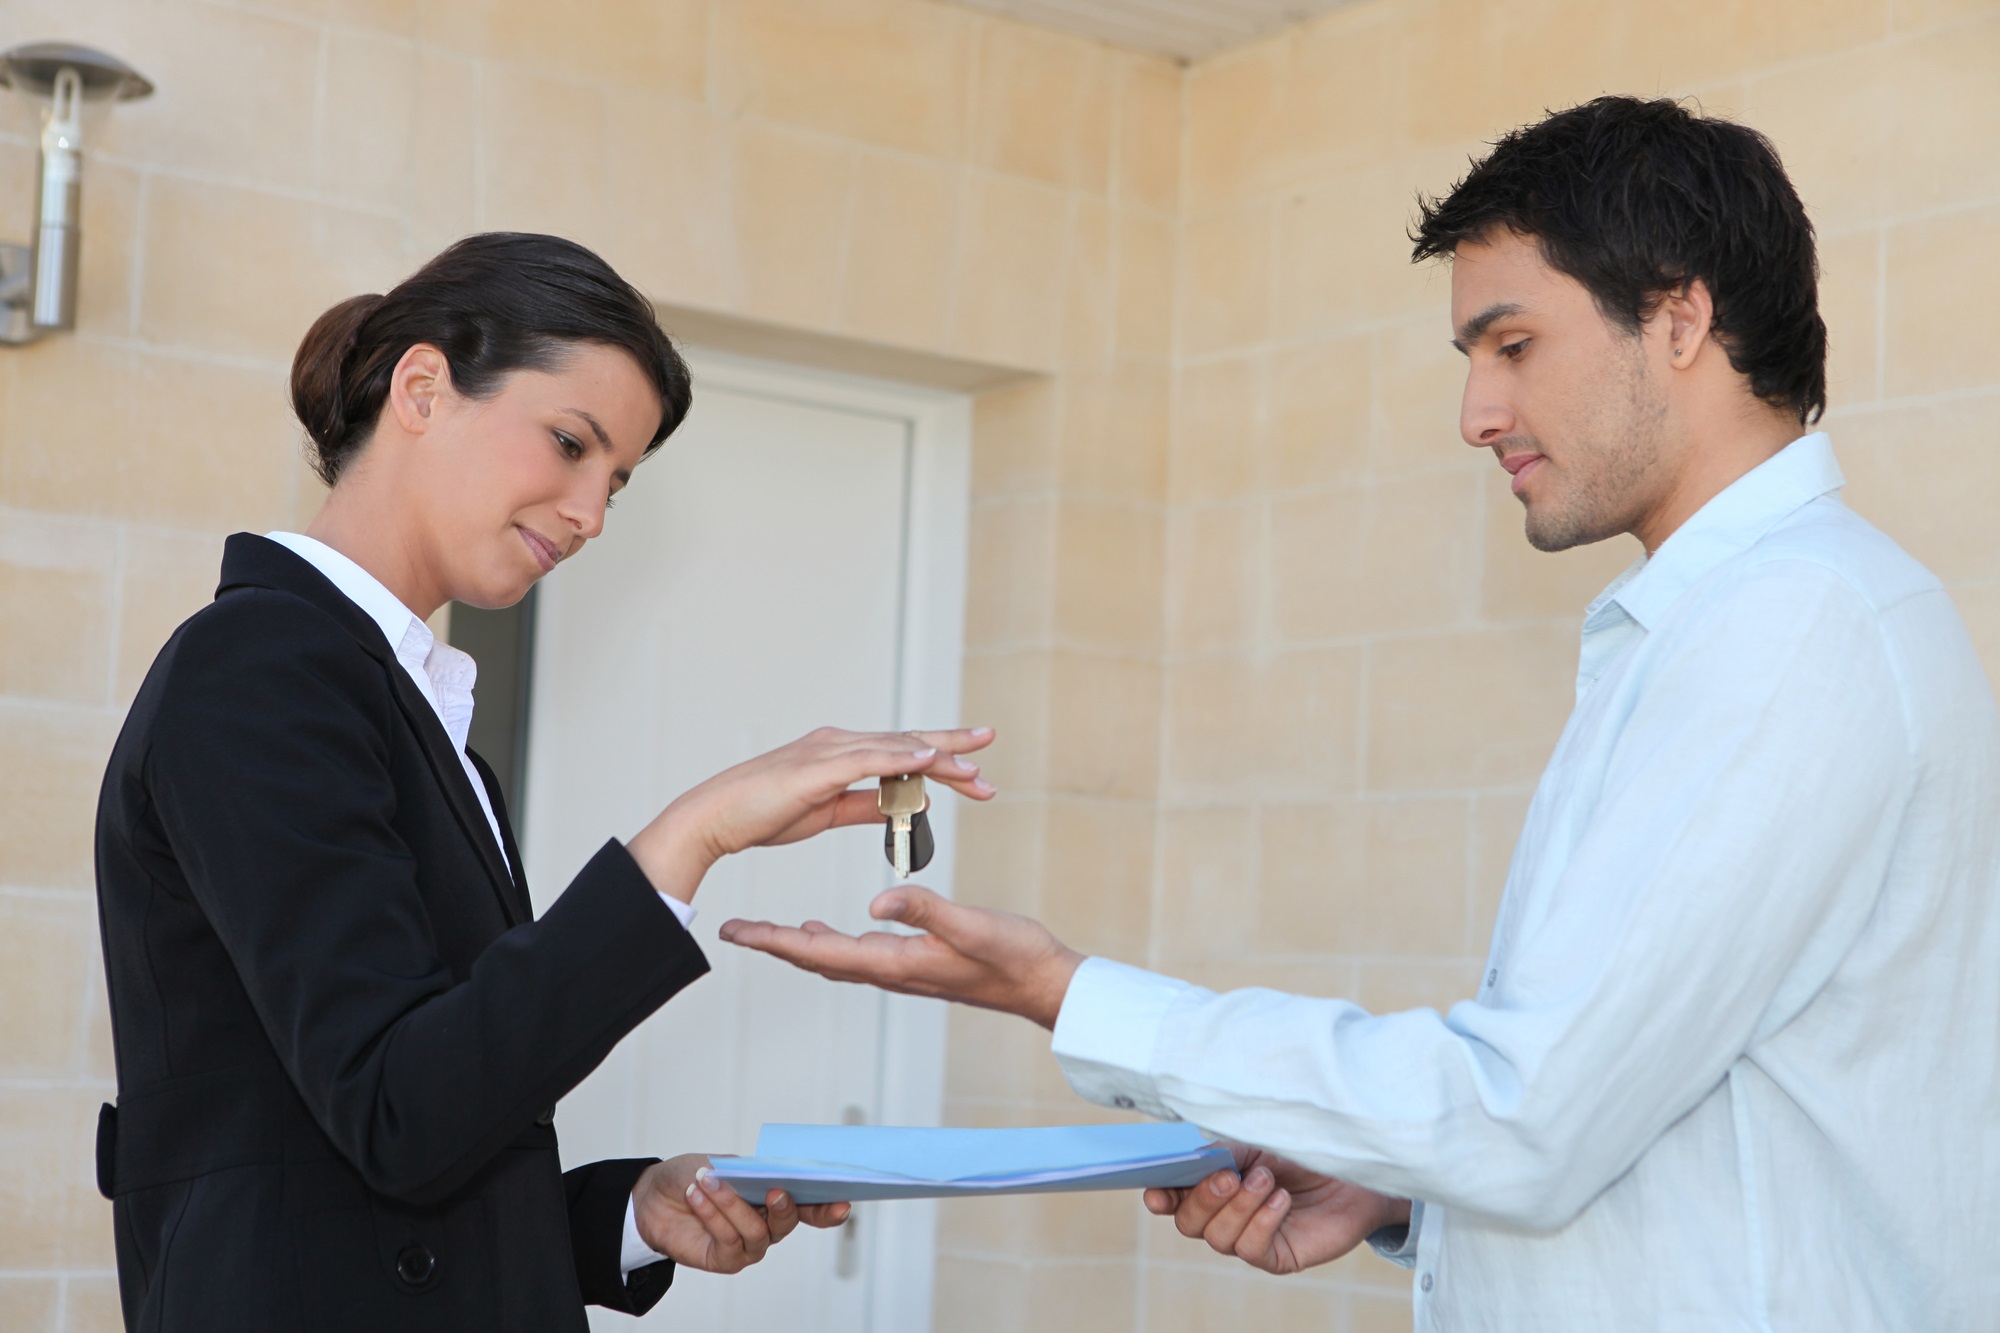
[
  {"x": 824, "y": 1214},
  {"x": 780, "y": 1214},
  {"x": 739, "y": 1231}
]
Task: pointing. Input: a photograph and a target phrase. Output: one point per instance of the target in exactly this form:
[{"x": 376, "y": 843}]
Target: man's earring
[{"x": 1677, "y": 351}]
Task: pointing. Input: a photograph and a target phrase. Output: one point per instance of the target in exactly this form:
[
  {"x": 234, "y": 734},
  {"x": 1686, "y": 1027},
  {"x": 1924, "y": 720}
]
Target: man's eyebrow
[
  {"x": 595, "y": 428},
  {"x": 1471, "y": 331}
]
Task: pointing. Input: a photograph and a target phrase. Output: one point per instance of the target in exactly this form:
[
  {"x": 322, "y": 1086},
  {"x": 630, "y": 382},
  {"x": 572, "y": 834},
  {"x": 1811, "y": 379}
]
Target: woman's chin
[{"x": 498, "y": 594}]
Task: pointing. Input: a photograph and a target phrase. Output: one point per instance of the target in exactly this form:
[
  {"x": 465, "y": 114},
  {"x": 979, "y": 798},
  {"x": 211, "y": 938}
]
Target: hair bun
[{"x": 319, "y": 381}]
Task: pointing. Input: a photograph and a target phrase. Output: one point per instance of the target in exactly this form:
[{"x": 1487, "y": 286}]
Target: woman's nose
[{"x": 584, "y": 514}]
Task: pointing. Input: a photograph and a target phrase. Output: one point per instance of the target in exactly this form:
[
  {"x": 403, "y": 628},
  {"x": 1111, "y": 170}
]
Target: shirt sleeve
[
  {"x": 1736, "y": 841},
  {"x": 635, "y": 1252},
  {"x": 683, "y": 912}
]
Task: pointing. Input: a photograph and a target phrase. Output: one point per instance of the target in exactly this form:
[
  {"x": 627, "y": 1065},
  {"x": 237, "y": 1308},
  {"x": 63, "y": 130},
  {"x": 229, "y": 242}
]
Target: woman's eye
[
  {"x": 1512, "y": 351},
  {"x": 610, "y": 502},
  {"x": 569, "y": 444}
]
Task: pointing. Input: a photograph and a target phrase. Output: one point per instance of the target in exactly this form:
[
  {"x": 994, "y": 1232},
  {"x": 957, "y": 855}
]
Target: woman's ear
[{"x": 421, "y": 379}]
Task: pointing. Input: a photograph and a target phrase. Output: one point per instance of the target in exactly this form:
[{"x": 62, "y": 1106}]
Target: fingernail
[
  {"x": 891, "y": 910},
  {"x": 707, "y": 1180},
  {"x": 964, "y": 766},
  {"x": 1260, "y": 1179},
  {"x": 694, "y": 1193},
  {"x": 981, "y": 784},
  {"x": 1223, "y": 1184},
  {"x": 1277, "y": 1201},
  {"x": 923, "y": 754},
  {"x": 982, "y": 731}
]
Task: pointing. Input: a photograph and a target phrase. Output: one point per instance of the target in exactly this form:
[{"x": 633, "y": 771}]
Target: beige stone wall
[{"x": 1274, "y": 668}]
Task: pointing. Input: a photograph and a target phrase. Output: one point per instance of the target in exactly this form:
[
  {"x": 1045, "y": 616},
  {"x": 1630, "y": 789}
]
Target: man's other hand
[
  {"x": 995, "y": 960},
  {"x": 1276, "y": 1215}
]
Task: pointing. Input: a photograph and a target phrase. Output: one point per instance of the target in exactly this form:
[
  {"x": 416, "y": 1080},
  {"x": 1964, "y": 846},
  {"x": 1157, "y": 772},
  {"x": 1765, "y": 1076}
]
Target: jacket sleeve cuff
[
  {"x": 600, "y": 1197},
  {"x": 1108, "y": 1030}
]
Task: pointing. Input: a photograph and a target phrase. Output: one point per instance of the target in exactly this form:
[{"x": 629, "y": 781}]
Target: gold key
[{"x": 903, "y": 801}]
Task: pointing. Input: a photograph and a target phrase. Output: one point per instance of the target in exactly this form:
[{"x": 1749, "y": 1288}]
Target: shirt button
[
  {"x": 1493, "y": 976},
  {"x": 1426, "y": 1283},
  {"x": 415, "y": 1265},
  {"x": 1123, "y": 1103}
]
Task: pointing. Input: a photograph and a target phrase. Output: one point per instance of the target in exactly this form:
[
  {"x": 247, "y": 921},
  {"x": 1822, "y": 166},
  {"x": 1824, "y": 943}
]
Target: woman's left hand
[{"x": 686, "y": 1212}]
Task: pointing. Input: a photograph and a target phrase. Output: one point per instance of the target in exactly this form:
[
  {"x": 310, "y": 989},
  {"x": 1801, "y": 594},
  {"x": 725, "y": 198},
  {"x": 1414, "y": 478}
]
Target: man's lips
[
  {"x": 545, "y": 552},
  {"x": 1520, "y": 465}
]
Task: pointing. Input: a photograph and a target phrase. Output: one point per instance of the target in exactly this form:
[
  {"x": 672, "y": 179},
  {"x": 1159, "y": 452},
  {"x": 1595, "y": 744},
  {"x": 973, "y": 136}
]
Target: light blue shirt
[{"x": 1735, "y": 1063}]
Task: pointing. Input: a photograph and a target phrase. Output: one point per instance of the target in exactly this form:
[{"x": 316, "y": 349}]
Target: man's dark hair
[
  {"x": 494, "y": 303},
  {"x": 1635, "y": 199}
]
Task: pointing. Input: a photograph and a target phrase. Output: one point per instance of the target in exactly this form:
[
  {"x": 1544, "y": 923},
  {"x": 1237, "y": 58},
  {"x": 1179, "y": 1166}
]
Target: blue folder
[{"x": 828, "y": 1163}]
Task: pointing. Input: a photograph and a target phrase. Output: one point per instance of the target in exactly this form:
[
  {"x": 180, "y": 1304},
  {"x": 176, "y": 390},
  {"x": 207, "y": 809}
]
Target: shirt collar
[
  {"x": 443, "y": 674},
  {"x": 358, "y": 586},
  {"x": 1749, "y": 507}
]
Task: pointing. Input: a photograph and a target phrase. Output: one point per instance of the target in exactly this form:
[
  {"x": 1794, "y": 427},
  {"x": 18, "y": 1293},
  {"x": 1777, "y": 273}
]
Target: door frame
[{"x": 901, "y": 1247}]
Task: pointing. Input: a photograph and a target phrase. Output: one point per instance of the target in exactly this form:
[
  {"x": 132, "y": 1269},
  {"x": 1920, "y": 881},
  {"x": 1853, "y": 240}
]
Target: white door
[{"x": 792, "y": 557}]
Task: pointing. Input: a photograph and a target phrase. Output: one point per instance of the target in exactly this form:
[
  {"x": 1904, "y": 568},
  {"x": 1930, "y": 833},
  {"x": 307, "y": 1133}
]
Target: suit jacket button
[
  {"x": 416, "y": 1265},
  {"x": 547, "y": 1117}
]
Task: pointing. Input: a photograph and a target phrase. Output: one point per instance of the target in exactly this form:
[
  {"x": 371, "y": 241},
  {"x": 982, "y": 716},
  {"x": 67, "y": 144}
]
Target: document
[{"x": 829, "y": 1163}]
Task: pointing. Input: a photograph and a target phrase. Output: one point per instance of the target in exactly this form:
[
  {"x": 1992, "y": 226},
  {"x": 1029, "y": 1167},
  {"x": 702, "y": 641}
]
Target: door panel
[{"x": 747, "y": 588}]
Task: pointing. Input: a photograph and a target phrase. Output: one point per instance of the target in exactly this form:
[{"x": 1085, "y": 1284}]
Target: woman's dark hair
[
  {"x": 493, "y": 304},
  {"x": 1635, "y": 199}
]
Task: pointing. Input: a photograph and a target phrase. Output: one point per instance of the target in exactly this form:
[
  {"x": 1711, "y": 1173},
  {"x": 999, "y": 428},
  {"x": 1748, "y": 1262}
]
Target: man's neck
[{"x": 1715, "y": 458}]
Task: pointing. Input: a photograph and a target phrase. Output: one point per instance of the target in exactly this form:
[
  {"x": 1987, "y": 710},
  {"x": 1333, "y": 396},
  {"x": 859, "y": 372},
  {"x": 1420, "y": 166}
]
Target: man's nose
[{"x": 1483, "y": 415}]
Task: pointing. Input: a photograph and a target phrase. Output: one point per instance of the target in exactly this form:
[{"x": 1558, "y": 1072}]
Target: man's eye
[
  {"x": 569, "y": 444},
  {"x": 1512, "y": 351}
]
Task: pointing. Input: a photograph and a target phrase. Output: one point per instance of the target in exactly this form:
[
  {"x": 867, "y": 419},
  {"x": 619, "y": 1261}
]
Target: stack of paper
[{"x": 828, "y": 1163}]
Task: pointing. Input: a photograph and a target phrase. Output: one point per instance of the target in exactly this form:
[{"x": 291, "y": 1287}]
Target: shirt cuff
[
  {"x": 635, "y": 1253},
  {"x": 1398, "y": 1244},
  {"x": 1108, "y": 1030},
  {"x": 683, "y": 912}
]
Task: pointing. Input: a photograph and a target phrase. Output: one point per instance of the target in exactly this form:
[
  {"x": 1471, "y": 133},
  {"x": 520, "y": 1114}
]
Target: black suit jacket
[{"x": 340, "y": 1032}]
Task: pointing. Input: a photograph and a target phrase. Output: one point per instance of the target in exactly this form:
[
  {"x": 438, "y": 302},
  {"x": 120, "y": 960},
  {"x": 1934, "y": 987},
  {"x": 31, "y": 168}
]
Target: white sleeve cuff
[
  {"x": 635, "y": 1253},
  {"x": 684, "y": 912},
  {"x": 1108, "y": 1030}
]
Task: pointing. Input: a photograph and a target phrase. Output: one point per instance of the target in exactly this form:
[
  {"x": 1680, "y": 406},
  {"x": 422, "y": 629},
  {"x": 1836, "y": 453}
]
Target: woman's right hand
[{"x": 795, "y": 792}]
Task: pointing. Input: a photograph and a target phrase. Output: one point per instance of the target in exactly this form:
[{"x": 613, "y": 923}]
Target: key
[{"x": 908, "y": 841}]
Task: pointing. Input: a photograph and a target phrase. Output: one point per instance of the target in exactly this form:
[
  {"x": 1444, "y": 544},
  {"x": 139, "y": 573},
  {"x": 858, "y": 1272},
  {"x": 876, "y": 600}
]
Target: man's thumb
[{"x": 912, "y": 905}]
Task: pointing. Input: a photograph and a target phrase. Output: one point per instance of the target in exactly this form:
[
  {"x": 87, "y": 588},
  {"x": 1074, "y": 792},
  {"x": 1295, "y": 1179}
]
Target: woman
[{"x": 340, "y": 1032}]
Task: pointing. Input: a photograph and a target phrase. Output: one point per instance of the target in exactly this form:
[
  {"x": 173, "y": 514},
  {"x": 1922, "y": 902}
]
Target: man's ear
[
  {"x": 1687, "y": 315},
  {"x": 421, "y": 378}
]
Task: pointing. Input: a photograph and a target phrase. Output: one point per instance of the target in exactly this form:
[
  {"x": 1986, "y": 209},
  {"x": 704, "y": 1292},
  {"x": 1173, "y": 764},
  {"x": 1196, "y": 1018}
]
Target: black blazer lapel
[
  {"x": 506, "y": 819},
  {"x": 251, "y": 561},
  {"x": 457, "y": 786}
]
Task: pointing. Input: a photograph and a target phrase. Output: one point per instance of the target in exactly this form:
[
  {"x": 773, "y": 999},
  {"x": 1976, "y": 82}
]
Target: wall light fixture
[{"x": 38, "y": 280}]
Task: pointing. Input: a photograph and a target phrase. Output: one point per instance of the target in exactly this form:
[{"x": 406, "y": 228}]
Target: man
[{"x": 1733, "y": 1061}]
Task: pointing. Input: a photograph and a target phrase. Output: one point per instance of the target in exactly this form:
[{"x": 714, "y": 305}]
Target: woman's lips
[{"x": 540, "y": 547}]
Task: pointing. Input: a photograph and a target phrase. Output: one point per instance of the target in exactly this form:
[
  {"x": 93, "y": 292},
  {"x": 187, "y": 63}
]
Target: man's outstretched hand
[
  {"x": 1276, "y": 1215},
  {"x": 973, "y": 955}
]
